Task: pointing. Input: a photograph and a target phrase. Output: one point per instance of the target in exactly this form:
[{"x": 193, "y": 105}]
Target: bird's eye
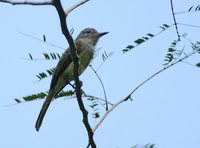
[{"x": 88, "y": 32}]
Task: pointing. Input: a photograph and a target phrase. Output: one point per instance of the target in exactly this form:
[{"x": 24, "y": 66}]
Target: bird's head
[{"x": 91, "y": 34}]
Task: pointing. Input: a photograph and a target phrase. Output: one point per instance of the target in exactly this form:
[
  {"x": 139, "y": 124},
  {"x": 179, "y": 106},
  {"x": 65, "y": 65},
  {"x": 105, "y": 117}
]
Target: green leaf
[
  {"x": 197, "y": 8},
  {"x": 150, "y": 34},
  {"x": 30, "y": 56},
  {"x": 53, "y": 56},
  {"x": 40, "y": 95},
  {"x": 130, "y": 46},
  {"x": 46, "y": 56},
  {"x": 71, "y": 31},
  {"x": 96, "y": 115},
  {"x": 198, "y": 65},
  {"x": 48, "y": 72},
  {"x": 139, "y": 41},
  {"x": 64, "y": 94},
  {"x": 146, "y": 38},
  {"x": 165, "y": 25},
  {"x": 94, "y": 105},
  {"x": 41, "y": 75},
  {"x": 171, "y": 49},
  {"x": 190, "y": 9},
  {"x": 51, "y": 71},
  {"x": 17, "y": 100},
  {"x": 58, "y": 55},
  {"x": 104, "y": 56},
  {"x": 125, "y": 50},
  {"x": 44, "y": 38},
  {"x": 173, "y": 43},
  {"x": 163, "y": 28}
]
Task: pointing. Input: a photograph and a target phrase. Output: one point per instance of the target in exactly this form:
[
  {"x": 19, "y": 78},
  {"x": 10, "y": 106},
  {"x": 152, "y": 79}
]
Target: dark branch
[
  {"x": 28, "y": 2},
  {"x": 195, "y": 26},
  {"x": 175, "y": 23},
  {"x": 75, "y": 6},
  {"x": 73, "y": 50},
  {"x": 104, "y": 91}
]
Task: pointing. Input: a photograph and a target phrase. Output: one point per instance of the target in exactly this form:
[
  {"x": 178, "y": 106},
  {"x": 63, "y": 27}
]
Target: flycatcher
[{"x": 63, "y": 74}]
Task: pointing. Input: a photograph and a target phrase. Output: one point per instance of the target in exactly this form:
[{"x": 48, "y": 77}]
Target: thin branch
[
  {"x": 195, "y": 26},
  {"x": 174, "y": 63},
  {"x": 104, "y": 91},
  {"x": 107, "y": 112},
  {"x": 75, "y": 6},
  {"x": 41, "y": 40},
  {"x": 179, "y": 54},
  {"x": 190, "y": 64},
  {"x": 74, "y": 56},
  {"x": 144, "y": 82},
  {"x": 172, "y": 8},
  {"x": 104, "y": 60},
  {"x": 28, "y": 2},
  {"x": 183, "y": 12}
]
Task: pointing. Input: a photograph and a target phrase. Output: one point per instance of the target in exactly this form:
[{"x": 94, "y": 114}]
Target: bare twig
[
  {"x": 28, "y": 2},
  {"x": 195, "y": 26},
  {"x": 144, "y": 82},
  {"x": 175, "y": 23},
  {"x": 75, "y": 6},
  {"x": 41, "y": 40},
  {"x": 104, "y": 91},
  {"x": 107, "y": 112},
  {"x": 172, "y": 64},
  {"x": 183, "y": 12},
  {"x": 73, "y": 50}
]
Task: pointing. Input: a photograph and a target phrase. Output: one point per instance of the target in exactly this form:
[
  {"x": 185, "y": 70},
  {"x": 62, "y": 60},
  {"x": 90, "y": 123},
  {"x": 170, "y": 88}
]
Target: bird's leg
[{"x": 73, "y": 86}]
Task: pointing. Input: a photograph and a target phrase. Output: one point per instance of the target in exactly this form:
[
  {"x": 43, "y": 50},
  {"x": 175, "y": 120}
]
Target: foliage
[
  {"x": 194, "y": 8},
  {"x": 171, "y": 52},
  {"x": 42, "y": 95},
  {"x": 145, "y": 38},
  {"x": 149, "y": 145}
]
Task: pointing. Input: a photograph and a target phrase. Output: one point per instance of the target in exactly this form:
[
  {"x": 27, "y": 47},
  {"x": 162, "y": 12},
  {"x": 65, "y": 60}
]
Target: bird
[{"x": 63, "y": 74}]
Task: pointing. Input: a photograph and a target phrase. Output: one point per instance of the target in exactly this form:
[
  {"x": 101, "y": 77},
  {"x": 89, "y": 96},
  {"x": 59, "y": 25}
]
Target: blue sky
[{"x": 165, "y": 111}]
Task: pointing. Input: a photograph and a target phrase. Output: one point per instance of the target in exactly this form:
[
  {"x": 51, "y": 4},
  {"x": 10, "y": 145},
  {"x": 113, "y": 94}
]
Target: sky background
[{"x": 164, "y": 111}]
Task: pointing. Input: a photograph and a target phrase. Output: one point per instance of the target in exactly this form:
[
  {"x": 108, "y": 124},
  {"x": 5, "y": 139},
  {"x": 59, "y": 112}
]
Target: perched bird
[{"x": 63, "y": 74}]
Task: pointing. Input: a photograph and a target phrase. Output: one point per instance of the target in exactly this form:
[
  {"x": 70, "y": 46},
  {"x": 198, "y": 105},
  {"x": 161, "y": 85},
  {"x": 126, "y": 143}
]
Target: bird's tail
[{"x": 44, "y": 110}]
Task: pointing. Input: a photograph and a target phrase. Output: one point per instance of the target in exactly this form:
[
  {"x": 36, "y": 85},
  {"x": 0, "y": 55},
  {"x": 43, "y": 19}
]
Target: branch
[
  {"x": 183, "y": 12},
  {"x": 108, "y": 111},
  {"x": 41, "y": 40},
  {"x": 195, "y": 26},
  {"x": 27, "y": 2},
  {"x": 144, "y": 82},
  {"x": 104, "y": 91},
  {"x": 75, "y": 6},
  {"x": 175, "y": 23},
  {"x": 73, "y": 50}
]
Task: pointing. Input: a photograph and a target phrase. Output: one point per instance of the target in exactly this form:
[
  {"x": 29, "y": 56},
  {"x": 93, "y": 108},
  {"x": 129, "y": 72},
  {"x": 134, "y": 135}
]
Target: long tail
[{"x": 44, "y": 110}]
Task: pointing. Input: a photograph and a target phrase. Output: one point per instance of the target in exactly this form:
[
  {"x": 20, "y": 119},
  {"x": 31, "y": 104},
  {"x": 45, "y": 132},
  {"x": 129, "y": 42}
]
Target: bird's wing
[{"x": 64, "y": 62}]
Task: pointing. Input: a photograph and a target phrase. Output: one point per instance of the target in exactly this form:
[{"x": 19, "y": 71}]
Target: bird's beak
[{"x": 102, "y": 34}]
